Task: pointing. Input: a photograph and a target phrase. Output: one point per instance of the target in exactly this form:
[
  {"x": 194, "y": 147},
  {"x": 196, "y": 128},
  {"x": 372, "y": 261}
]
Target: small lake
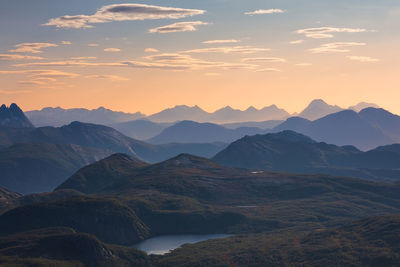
[{"x": 163, "y": 244}]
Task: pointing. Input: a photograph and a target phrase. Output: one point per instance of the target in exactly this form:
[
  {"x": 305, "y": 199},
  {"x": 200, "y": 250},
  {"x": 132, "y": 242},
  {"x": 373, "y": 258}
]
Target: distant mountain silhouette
[
  {"x": 366, "y": 130},
  {"x": 13, "y": 117},
  {"x": 224, "y": 115},
  {"x": 140, "y": 129},
  {"x": 254, "y": 124},
  {"x": 317, "y": 109},
  {"x": 58, "y": 117},
  {"x": 41, "y": 167},
  {"x": 194, "y": 132},
  {"x": 363, "y": 105},
  {"x": 289, "y": 151}
]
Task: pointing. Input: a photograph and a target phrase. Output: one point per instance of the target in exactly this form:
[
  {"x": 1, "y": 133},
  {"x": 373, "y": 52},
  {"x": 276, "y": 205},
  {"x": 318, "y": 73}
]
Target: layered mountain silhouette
[
  {"x": 224, "y": 115},
  {"x": 194, "y": 132},
  {"x": 13, "y": 117},
  {"x": 140, "y": 129},
  {"x": 58, "y": 116},
  {"x": 289, "y": 151},
  {"x": 39, "y": 159},
  {"x": 366, "y": 130},
  {"x": 40, "y": 167}
]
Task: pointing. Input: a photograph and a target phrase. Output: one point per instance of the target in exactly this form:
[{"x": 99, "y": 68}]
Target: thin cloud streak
[
  {"x": 188, "y": 26},
  {"x": 265, "y": 12},
  {"x": 338, "y": 47}
]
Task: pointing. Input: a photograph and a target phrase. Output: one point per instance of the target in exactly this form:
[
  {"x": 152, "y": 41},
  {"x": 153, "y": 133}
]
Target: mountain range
[
  {"x": 366, "y": 130},
  {"x": 194, "y": 132},
  {"x": 57, "y": 117},
  {"x": 227, "y": 115},
  {"x": 291, "y": 152}
]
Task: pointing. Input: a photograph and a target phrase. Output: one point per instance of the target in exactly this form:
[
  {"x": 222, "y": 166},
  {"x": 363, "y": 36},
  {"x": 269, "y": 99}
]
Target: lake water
[{"x": 163, "y": 244}]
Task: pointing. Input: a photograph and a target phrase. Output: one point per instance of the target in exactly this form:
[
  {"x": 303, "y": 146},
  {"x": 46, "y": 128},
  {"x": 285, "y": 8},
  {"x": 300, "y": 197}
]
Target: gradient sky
[{"x": 210, "y": 53}]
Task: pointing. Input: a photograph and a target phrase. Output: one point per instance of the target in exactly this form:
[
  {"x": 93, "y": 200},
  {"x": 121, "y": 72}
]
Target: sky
[{"x": 149, "y": 55}]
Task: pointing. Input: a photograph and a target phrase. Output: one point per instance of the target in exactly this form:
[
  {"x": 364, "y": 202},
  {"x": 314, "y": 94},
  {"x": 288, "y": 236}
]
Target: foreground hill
[
  {"x": 194, "y": 132},
  {"x": 366, "y": 130},
  {"x": 370, "y": 242},
  {"x": 40, "y": 167},
  {"x": 129, "y": 201},
  {"x": 292, "y": 152},
  {"x": 13, "y": 117}
]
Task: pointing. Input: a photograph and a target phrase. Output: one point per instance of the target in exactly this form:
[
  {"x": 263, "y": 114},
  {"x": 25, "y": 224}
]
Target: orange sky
[{"x": 354, "y": 62}]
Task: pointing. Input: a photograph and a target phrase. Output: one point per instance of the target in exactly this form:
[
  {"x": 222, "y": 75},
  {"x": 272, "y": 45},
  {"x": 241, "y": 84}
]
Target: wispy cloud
[
  {"x": 17, "y": 57},
  {"x": 112, "y": 50},
  {"x": 268, "y": 70},
  {"x": 188, "y": 26},
  {"x": 230, "y": 41},
  {"x": 66, "y": 43},
  {"x": 83, "y": 58},
  {"x": 34, "y": 48},
  {"x": 229, "y": 50},
  {"x": 122, "y": 12},
  {"x": 264, "y": 59},
  {"x": 93, "y": 45},
  {"x": 327, "y": 32},
  {"x": 296, "y": 42},
  {"x": 339, "y": 47},
  {"x": 108, "y": 77},
  {"x": 41, "y": 73},
  {"x": 363, "y": 59},
  {"x": 151, "y": 50},
  {"x": 265, "y": 12},
  {"x": 304, "y": 64}
]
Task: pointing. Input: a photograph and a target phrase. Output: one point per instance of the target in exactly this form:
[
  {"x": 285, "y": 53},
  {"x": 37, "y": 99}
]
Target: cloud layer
[
  {"x": 122, "y": 12},
  {"x": 188, "y": 26},
  {"x": 326, "y": 32},
  {"x": 339, "y": 47},
  {"x": 34, "y": 48},
  {"x": 265, "y": 12}
]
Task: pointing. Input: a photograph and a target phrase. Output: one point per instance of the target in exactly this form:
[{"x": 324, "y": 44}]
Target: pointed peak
[{"x": 318, "y": 102}]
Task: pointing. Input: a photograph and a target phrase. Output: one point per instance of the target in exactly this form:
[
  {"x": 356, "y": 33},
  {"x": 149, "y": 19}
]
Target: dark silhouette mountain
[
  {"x": 317, "y": 109},
  {"x": 194, "y": 132},
  {"x": 65, "y": 247},
  {"x": 57, "y": 117},
  {"x": 105, "y": 138},
  {"x": 13, "y": 117},
  {"x": 31, "y": 168},
  {"x": 366, "y": 130},
  {"x": 99, "y": 175},
  {"x": 140, "y": 129},
  {"x": 7, "y": 195},
  {"x": 292, "y": 152}
]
